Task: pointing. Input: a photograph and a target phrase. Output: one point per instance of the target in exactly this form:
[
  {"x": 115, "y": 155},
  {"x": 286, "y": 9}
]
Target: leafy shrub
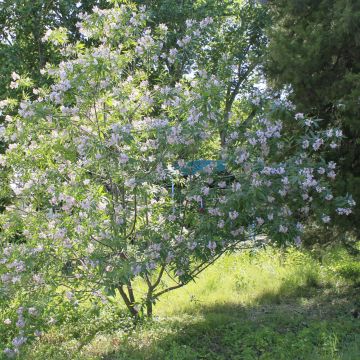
[{"x": 101, "y": 171}]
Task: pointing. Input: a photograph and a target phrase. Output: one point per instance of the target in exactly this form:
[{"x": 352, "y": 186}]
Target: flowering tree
[{"x": 101, "y": 166}]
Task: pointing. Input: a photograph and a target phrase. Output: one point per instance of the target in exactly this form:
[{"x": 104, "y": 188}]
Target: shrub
[{"x": 102, "y": 194}]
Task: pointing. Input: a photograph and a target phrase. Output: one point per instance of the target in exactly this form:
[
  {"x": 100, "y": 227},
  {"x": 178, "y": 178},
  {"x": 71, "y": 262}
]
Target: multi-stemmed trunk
[{"x": 127, "y": 293}]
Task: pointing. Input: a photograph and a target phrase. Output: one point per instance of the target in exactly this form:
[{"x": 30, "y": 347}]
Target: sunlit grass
[
  {"x": 266, "y": 305},
  {"x": 247, "y": 279}
]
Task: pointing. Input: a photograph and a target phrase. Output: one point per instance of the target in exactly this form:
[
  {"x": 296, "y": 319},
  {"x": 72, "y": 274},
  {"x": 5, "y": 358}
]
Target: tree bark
[{"x": 128, "y": 303}]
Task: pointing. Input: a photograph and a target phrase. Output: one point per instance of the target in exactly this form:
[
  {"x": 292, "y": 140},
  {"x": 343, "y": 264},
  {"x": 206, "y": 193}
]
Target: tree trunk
[
  {"x": 149, "y": 308},
  {"x": 129, "y": 304},
  {"x": 149, "y": 302}
]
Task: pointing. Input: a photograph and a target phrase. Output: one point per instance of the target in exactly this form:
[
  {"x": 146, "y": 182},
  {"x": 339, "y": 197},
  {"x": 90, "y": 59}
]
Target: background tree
[
  {"x": 23, "y": 24},
  {"x": 314, "y": 50},
  {"x": 234, "y": 50}
]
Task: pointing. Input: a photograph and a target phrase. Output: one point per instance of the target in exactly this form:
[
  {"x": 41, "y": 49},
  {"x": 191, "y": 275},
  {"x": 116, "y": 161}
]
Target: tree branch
[
  {"x": 198, "y": 270},
  {"x": 128, "y": 303}
]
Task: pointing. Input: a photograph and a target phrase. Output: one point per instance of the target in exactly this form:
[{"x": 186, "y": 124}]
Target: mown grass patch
[{"x": 268, "y": 305}]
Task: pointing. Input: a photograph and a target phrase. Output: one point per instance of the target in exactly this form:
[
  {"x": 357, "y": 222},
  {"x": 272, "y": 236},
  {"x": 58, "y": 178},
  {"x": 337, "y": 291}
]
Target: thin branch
[
  {"x": 148, "y": 282},
  {"x": 157, "y": 282},
  {"x": 167, "y": 273},
  {"x": 135, "y": 217},
  {"x": 101, "y": 243},
  {"x": 198, "y": 270},
  {"x": 155, "y": 296},
  {"x": 131, "y": 293}
]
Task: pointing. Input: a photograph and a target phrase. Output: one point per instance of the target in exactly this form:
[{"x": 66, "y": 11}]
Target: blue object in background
[{"x": 193, "y": 167}]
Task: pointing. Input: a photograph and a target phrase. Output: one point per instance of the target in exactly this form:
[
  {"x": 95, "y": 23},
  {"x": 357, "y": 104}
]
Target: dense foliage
[
  {"x": 23, "y": 24},
  {"x": 314, "y": 50},
  {"x": 101, "y": 165},
  {"x": 22, "y": 27}
]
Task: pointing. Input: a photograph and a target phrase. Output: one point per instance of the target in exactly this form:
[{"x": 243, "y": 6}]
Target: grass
[{"x": 269, "y": 305}]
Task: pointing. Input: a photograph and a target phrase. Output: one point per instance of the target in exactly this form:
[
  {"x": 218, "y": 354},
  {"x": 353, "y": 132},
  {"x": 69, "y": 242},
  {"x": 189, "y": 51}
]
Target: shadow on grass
[
  {"x": 291, "y": 290},
  {"x": 317, "y": 326}
]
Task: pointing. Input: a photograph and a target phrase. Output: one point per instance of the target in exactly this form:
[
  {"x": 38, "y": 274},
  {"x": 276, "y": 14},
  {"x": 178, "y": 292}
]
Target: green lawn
[{"x": 270, "y": 305}]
